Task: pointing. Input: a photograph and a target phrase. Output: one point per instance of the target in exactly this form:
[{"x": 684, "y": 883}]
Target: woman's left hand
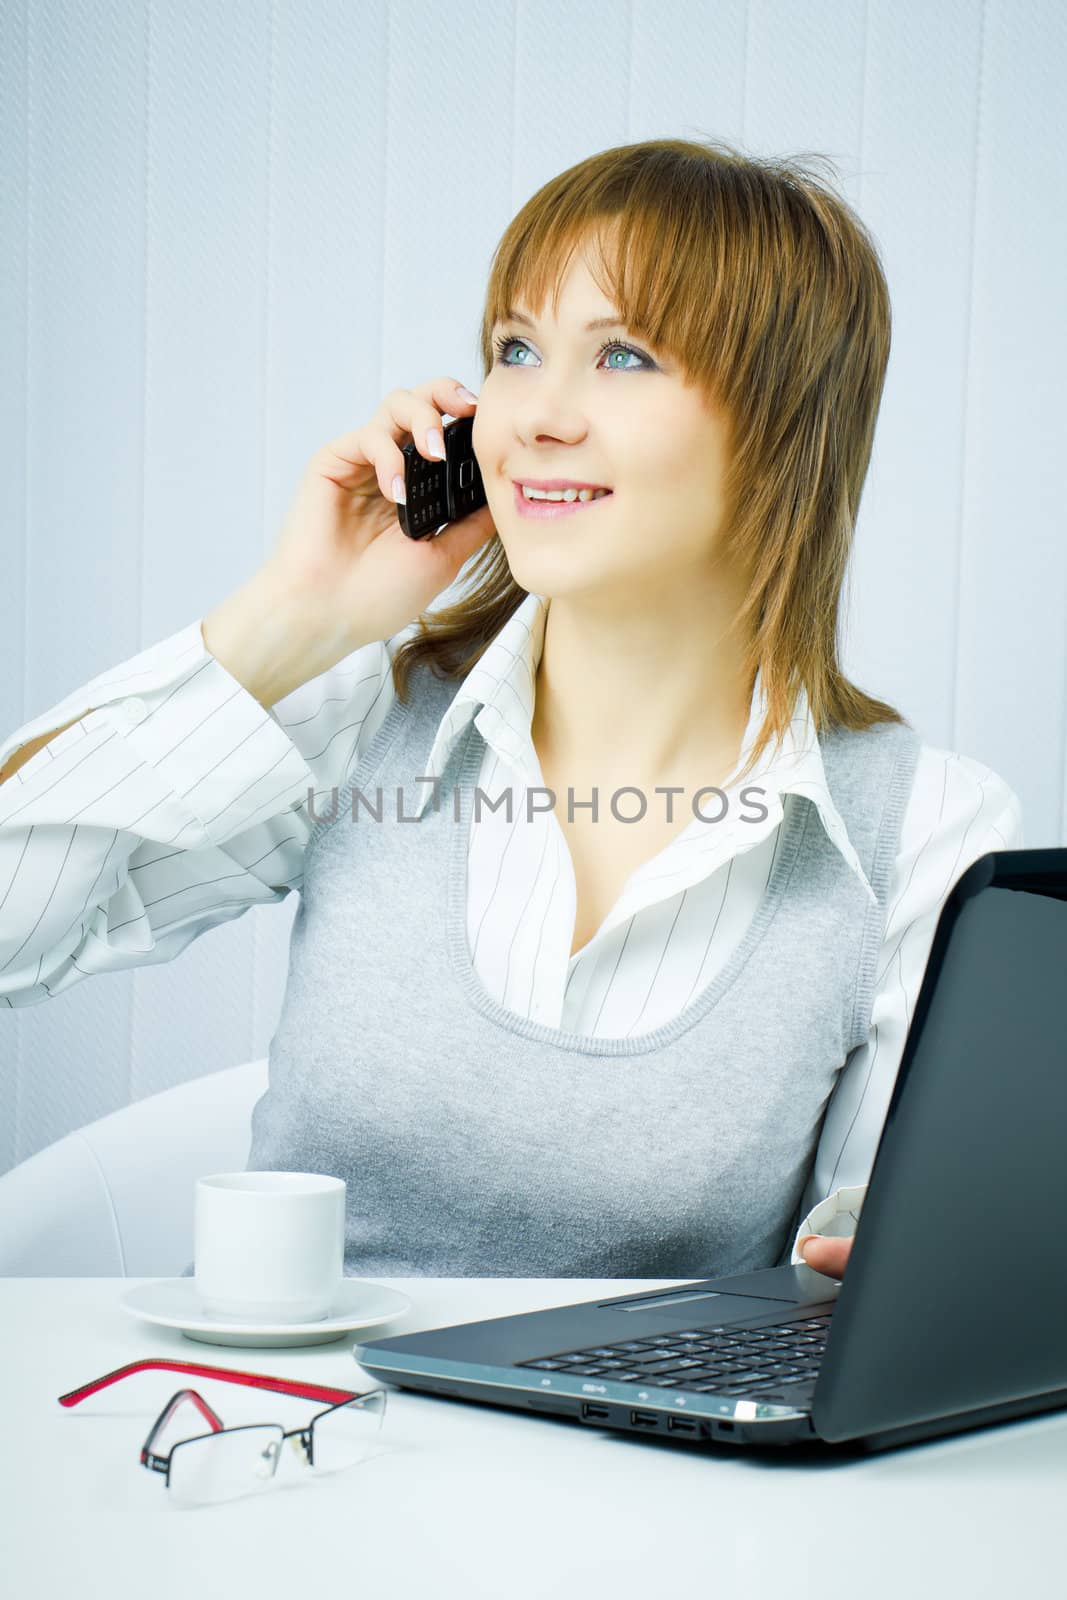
[{"x": 825, "y": 1254}]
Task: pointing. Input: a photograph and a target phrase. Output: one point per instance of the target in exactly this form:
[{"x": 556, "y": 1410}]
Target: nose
[
  {"x": 551, "y": 419},
  {"x": 550, "y": 405}
]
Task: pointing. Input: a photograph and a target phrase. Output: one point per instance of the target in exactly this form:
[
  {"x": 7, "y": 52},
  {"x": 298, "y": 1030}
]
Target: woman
[{"x": 640, "y": 1013}]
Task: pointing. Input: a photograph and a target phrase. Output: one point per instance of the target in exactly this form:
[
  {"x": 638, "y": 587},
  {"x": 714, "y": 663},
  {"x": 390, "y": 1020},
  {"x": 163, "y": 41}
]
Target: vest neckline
[{"x": 793, "y": 825}]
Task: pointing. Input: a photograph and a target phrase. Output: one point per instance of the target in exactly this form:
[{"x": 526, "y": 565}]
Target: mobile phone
[{"x": 441, "y": 491}]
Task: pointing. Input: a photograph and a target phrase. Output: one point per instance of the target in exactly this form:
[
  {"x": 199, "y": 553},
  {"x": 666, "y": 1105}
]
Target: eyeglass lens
[{"x": 241, "y": 1461}]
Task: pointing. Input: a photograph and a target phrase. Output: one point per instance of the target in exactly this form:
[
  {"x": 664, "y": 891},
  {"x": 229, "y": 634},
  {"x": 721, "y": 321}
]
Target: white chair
[{"x": 115, "y": 1199}]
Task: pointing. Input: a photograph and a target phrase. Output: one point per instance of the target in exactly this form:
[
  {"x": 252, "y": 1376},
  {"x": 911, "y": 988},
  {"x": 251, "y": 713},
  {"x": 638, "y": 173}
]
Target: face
[{"x": 556, "y": 404}]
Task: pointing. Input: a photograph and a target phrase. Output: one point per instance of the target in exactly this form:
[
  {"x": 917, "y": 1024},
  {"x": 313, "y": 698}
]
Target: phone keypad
[{"x": 442, "y": 492}]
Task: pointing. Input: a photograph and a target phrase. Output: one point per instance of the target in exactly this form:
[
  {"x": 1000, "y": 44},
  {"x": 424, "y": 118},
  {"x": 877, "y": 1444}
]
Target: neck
[{"x": 641, "y": 695}]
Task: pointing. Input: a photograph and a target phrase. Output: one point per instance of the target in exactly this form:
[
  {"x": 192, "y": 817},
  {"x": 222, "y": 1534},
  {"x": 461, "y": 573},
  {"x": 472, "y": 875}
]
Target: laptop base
[
  {"x": 705, "y": 1431},
  {"x": 633, "y": 1419}
]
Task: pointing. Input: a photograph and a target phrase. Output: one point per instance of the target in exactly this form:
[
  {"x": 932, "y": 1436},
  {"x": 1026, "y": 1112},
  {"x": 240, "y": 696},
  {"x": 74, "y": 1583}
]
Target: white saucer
[{"x": 173, "y": 1303}]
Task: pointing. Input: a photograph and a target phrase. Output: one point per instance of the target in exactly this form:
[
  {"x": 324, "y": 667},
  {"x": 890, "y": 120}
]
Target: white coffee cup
[{"x": 269, "y": 1246}]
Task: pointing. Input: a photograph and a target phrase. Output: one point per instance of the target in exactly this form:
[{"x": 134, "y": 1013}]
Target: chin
[{"x": 552, "y": 579}]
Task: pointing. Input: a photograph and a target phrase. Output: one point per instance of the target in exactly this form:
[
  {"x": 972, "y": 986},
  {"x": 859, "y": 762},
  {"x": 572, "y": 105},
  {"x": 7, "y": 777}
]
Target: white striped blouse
[{"x": 178, "y": 802}]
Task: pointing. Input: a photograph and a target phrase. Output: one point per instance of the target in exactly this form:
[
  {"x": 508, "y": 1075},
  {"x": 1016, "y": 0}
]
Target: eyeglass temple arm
[
  {"x": 168, "y": 1411},
  {"x": 254, "y": 1380}
]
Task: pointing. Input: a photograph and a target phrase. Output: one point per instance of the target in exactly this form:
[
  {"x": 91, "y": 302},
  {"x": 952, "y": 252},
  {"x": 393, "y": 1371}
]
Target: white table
[{"x": 467, "y": 1500}]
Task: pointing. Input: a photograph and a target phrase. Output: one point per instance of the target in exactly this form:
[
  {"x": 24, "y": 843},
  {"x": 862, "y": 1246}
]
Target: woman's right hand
[{"x": 342, "y": 550}]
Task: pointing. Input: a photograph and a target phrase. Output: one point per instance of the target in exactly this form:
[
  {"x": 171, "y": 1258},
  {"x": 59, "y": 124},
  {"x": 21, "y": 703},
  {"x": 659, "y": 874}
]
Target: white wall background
[{"x": 229, "y": 229}]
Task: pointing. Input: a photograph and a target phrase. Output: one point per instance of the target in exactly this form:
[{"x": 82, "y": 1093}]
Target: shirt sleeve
[
  {"x": 958, "y": 810},
  {"x": 175, "y": 804}
]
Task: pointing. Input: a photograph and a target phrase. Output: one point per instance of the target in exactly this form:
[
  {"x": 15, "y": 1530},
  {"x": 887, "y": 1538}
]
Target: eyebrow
[{"x": 598, "y": 322}]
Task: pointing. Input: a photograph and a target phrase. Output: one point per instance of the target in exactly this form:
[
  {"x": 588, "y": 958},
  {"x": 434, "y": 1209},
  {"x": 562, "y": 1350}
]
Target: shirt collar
[{"x": 498, "y": 695}]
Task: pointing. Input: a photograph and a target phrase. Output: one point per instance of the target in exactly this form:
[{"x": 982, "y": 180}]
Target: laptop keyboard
[{"x": 776, "y": 1362}]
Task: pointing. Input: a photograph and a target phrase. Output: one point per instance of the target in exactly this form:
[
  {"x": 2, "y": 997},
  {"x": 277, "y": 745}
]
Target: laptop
[{"x": 952, "y": 1312}]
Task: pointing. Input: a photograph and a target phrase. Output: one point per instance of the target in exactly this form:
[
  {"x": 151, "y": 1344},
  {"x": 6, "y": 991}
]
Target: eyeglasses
[{"x": 229, "y": 1462}]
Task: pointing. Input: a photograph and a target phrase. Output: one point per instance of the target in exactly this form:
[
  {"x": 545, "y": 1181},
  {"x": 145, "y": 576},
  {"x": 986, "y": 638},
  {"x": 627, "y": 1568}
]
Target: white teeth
[{"x": 563, "y": 494}]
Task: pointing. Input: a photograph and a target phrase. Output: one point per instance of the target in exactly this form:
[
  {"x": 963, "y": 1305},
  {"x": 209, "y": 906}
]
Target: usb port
[
  {"x": 600, "y": 1412},
  {"x": 681, "y": 1425},
  {"x": 644, "y": 1419}
]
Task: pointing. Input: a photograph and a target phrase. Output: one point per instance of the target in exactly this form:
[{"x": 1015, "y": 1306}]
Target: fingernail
[
  {"x": 398, "y": 490},
  {"x": 435, "y": 443},
  {"x": 465, "y": 393},
  {"x": 806, "y": 1240}
]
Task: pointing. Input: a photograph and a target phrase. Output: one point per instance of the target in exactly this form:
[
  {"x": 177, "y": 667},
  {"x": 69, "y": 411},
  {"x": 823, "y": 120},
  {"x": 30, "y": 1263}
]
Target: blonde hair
[{"x": 766, "y": 288}]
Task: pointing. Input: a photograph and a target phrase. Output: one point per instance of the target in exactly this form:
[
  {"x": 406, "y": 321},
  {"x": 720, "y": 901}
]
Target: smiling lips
[
  {"x": 559, "y": 508},
  {"x": 568, "y": 496}
]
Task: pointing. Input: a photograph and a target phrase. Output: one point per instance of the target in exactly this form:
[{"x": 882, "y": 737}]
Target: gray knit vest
[{"x": 477, "y": 1143}]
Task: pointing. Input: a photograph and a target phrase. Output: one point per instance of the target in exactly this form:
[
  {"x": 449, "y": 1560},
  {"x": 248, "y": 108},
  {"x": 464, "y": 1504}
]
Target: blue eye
[{"x": 502, "y": 344}]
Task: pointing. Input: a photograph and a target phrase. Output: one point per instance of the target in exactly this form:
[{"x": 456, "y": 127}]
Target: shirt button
[{"x": 135, "y": 711}]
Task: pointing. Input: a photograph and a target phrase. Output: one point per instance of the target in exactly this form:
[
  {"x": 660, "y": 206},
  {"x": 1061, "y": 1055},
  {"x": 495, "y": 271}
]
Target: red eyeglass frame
[{"x": 253, "y": 1380}]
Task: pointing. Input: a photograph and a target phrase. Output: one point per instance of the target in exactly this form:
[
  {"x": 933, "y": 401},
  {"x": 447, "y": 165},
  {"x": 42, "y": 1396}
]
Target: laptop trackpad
[{"x": 745, "y": 1295}]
